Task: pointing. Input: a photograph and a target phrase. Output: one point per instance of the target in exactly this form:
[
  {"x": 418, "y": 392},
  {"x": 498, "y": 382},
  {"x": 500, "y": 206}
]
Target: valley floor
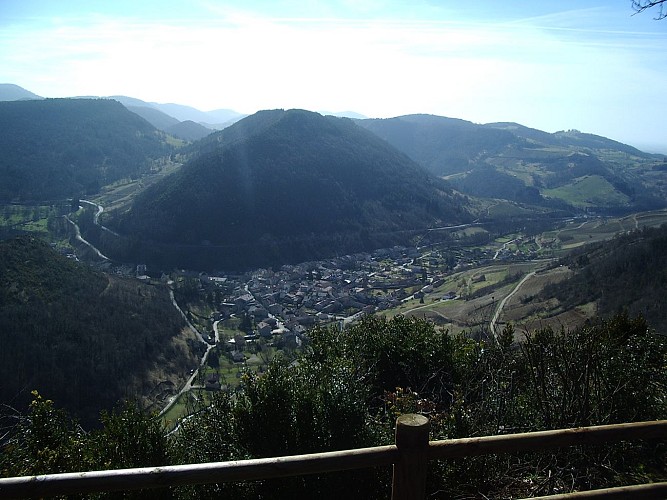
[
  {"x": 476, "y": 288},
  {"x": 486, "y": 288}
]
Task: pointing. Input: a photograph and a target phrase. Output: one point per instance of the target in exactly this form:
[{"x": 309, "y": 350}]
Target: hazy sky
[{"x": 552, "y": 65}]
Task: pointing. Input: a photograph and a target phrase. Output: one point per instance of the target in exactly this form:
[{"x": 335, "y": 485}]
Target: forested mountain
[
  {"x": 628, "y": 273},
  {"x": 82, "y": 337},
  {"x": 57, "y": 148},
  {"x": 155, "y": 117},
  {"x": 287, "y": 186},
  {"x": 568, "y": 138},
  {"x": 514, "y": 162},
  {"x": 188, "y": 130},
  {"x": 442, "y": 145}
]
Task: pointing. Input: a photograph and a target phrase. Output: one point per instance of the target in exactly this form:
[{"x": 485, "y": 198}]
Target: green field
[
  {"x": 589, "y": 191},
  {"x": 38, "y": 220}
]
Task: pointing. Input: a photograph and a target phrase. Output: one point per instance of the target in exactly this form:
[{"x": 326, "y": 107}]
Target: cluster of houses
[
  {"x": 284, "y": 304},
  {"x": 294, "y": 298}
]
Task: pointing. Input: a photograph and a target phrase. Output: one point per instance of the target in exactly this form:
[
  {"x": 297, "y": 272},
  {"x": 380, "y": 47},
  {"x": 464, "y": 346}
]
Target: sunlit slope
[{"x": 564, "y": 170}]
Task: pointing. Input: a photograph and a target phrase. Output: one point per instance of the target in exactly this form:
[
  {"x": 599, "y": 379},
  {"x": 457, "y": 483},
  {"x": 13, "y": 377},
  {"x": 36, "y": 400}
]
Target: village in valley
[{"x": 247, "y": 319}]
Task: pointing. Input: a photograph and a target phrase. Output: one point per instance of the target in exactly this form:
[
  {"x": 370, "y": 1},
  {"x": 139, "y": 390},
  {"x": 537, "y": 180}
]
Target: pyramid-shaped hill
[{"x": 283, "y": 186}]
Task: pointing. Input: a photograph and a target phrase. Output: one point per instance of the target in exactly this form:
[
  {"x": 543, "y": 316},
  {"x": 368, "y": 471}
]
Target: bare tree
[{"x": 642, "y": 5}]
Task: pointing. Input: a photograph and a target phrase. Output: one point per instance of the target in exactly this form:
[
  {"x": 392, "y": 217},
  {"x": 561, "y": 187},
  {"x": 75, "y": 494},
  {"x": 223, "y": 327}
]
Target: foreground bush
[{"x": 347, "y": 388}]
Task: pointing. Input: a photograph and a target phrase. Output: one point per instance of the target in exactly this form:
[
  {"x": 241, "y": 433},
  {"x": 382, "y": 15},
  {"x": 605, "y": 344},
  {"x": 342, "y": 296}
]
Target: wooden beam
[
  {"x": 409, "y": 478},
  {"x": 407, "y": 445},
  {"x": 506, "y": 443},
  {"x": 652, "y": 491},
  {"x": 216, "y": 472}
]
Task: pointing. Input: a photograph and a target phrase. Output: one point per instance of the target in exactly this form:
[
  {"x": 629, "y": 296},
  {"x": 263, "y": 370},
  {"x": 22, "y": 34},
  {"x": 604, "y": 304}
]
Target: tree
[
  {"x": 213, "y": 360},
  {"x": 642, "y": 5},
  {"x": 45, "y": 441},
  {"x": 246, "y": 323}
]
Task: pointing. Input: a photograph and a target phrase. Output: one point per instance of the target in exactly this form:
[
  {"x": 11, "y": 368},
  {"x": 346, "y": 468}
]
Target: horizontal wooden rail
[
  {"x": 215, "y": 472},
  {"x": 267, "y": 468},
  {"x": 652, "y": 491},
  {"x": 504, "y": 443}
]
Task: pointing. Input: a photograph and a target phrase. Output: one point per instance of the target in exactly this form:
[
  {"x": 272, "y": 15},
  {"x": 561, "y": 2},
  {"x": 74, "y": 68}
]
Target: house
[
  {"x": 333, "y": 306},
  {"x": 275, "y": 309},
  {"x": 323, "y": 317},
  {"x": 212, "y": 382},
  {"x": 264, "y": 329},
  {"x": 258, "y": 312},
  {"x": 272, "y": 322},
  {"x": 242, "y": 302},
  {"x": 237, "y": 356}
]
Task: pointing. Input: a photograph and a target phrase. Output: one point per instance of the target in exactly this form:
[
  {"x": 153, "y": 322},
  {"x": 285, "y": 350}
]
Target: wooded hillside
[
  {"x": 287, "y": 186},
  {"x": 81, "y": 337},
  {"x": 56, "y": 148}
]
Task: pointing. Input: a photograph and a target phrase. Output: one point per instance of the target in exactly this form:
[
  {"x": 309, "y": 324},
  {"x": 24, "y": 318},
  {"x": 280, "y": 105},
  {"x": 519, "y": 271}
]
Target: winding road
[
  {"x": 78, "y": 237},
  {"x": 96, "y": 217},
  {"x": 503, "y": 248},
  {"x": 501, "y": 304},
  {"x": 188, "y": 384}
]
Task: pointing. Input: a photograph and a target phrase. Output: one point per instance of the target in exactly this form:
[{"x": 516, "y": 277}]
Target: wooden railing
[{"x": 409, "y": 457}]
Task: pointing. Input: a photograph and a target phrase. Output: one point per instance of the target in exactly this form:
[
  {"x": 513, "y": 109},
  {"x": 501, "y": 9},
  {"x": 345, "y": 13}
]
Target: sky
[{"x": 589, "y": 65}]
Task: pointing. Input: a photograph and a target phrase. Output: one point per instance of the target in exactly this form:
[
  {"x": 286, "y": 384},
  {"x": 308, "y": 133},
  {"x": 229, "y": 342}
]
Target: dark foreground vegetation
[{"x": 346, "y": 390}]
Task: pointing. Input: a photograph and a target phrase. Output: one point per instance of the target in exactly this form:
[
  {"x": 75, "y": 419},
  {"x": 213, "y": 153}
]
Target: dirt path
[
  {"x": 501, "y": 305},
  {"x": 188, "y": 384}
]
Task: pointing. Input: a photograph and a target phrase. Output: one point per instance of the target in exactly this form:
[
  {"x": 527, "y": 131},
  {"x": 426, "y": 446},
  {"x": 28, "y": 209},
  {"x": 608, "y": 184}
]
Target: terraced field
[{"x": 468, "y": 300}]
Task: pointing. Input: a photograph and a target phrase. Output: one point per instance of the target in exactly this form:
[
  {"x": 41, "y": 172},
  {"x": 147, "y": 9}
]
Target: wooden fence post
[{"x": 409, "y": 481}]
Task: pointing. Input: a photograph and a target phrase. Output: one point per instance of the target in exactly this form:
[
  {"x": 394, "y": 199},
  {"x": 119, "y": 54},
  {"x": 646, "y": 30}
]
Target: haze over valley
[
  {"x": 212, "y": 267},
  {"x": 434, "y": 195}
]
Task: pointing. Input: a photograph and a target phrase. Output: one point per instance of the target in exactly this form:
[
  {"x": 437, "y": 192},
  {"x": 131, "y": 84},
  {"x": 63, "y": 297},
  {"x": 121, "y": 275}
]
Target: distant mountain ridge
[
  {"x": 572, "y": 138},
  {"x": 155, "y": 117},
  {"x": 213, "y": 120},
  {"x": 58, "y": 148},
  {"x": 524, "y": 165},
  {"x": 566, "y": 170},
  {"x": 291, "y": 185},
  {"x": 188, "y": 130}
]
